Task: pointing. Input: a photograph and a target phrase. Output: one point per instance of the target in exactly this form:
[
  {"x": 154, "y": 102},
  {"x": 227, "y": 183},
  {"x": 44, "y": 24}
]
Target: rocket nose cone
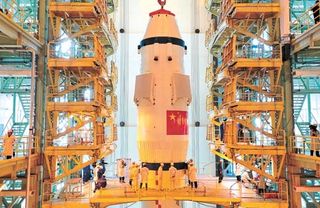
[{"x": 162, "y": 24}]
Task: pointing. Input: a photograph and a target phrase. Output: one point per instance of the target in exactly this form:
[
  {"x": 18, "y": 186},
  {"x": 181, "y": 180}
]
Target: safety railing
[
  {"x": 84, "y": 94},
  {"x": 209, "y": 33},
  {"x": 229, "y": 51},
  {"x": 24, "y": 14},
  {"x": 74, "y": 1},
  {"x": 209, "y": 103},
  {"x": 305, "y": 145},
  {"x": 257, "y": 51},
  {"x": 208, "y": 187},
  {"x": 20, "y": 147},
  {"x": 213, "y": 133},
  {"x": 246, "y": 137},
  {"x": 66, "y": 190},
  {"x": 76, "y": 137},
  {"x": 251, "y": 93},
  {"x": 113, "y": 29},
  {"x": 209, "y": 74},
  {"x": 114, "y": 73},
  {"x": 229, "y": 93},
  {"x": 306, "y": 20},
  {"x": 253, "y": 1},
  {"x": 83, "y": 136},
  {"x": 234, "y": 49},
  {"x": 112, "y": 102},
  {"x": 85, "y": 47},
  {"x": 226, "y": 6}
]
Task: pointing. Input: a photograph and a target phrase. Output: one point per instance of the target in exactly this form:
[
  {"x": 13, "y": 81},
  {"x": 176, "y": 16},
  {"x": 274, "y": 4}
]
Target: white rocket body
[{"x": 160, "y": 89}]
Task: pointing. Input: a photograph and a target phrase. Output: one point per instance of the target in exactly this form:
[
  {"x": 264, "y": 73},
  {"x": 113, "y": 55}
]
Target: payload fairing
[{"x": 162, "y": 94}]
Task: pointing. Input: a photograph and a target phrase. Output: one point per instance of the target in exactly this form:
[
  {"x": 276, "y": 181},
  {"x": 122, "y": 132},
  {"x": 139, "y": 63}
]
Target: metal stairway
[
  {"x": 298, "y": 101},
  {"x": 25, "y": 102},
  {"x": 19, "y": 87},
  {"x": 19, "y": 128},
  {"x": 304, "y": 128}
]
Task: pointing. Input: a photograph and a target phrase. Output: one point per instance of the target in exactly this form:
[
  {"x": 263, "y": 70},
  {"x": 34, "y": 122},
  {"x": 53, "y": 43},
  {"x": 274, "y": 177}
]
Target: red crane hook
[{"x": 162, "y": 3}]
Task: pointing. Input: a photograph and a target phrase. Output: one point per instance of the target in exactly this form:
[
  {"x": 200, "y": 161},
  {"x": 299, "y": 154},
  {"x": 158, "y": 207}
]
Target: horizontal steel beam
[
  {"x": 307, "y": 189},
  {"x": 15, "y": 73},
  {"x": 13, "y": 193},
  {"x": 314, "y": 72},
  {"x": 9, "y": 91}
]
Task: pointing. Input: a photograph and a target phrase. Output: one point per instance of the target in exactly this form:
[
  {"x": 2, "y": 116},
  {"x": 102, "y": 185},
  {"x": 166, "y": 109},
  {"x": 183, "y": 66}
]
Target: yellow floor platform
[
  {"x": 10, "y": 167},
  {"x": 209, "y": 191}
]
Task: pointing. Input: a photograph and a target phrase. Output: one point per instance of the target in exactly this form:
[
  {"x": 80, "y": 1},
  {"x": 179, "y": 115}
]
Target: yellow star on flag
[{"x": 172, "y": 117}]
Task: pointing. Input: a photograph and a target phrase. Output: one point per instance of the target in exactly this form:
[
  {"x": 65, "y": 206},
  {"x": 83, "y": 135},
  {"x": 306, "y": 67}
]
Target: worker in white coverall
[
  {"x": 121, "y": 171},
  {"x": 193, "y": 176},
  {"x": 144, "y": 176},
  {"x": 188, "y": 171},
  {"x": 238, "y": 172},
  {"x": 96, "y": 170},
  {"x": 160, "y": 176},
  {"x": 172, "y": 174},
  {"x": 136, "y": 171},
  {"x": 131, "y": 173}
]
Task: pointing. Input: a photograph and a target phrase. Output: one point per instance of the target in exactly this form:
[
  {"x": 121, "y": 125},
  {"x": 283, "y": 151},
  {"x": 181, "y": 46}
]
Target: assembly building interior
[{"x": 159, "y": 103}]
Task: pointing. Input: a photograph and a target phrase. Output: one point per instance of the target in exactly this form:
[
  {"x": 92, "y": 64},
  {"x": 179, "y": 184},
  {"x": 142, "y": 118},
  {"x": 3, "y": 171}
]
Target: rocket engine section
[{"x": 162, "y": 95}]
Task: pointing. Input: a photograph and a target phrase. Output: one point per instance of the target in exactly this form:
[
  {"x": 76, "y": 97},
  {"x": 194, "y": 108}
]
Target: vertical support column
[
  {"x": 40, "y": 102},
  {"x": 195, "y": 114},
  {"x": 294, "y": 180},
  {"x": 123, "y": 82},
  {"x": 295, "y": 199}
]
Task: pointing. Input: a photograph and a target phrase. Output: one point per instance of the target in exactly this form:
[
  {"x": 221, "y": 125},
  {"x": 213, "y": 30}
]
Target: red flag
[{"x": 177, "y": 122}]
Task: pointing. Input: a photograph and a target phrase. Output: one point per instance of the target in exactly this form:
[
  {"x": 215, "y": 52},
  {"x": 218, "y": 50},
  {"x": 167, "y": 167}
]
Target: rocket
[{"x": 162, "y": 95}]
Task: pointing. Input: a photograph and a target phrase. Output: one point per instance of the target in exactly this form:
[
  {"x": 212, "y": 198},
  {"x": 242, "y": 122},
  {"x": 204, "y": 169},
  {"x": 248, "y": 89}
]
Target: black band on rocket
[
  {"x": 162, "y": 40},
  {"x": 155, "y": 166}
]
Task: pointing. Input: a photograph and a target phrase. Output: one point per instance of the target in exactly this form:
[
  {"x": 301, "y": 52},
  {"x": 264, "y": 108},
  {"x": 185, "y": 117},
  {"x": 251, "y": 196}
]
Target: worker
[
  {"x": 97, "y": 174},
  {"x": 247, "y": 180},
  {"x": 8, "y": 145},
  {"x": 193, "y": 176},
  {"x": 160, "y": 176},
  {"x": 6, "y": 11},
  {"x": 172, "y": 175},
  {"x": 261, "y": 185},
  {"x": 144, "y": 176},
  {"x": 315, "y": 140},
  {"x": 131, "y": 173},
  {"x": 238, "y": 172},
  {"x": 135, "y": 177},
  {"x": 220, "y": 171},
  {"x": 121, "y": 171},
  {"x": 188, "y": 171}
]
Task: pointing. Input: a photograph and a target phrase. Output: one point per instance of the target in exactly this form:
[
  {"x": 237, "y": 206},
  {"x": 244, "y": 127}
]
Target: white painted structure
[{"x": 161, "y": 88}]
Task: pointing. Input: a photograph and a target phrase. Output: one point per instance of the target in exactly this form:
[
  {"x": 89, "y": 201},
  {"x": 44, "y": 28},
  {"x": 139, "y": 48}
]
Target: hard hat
[{"x": 313, "y": 126}]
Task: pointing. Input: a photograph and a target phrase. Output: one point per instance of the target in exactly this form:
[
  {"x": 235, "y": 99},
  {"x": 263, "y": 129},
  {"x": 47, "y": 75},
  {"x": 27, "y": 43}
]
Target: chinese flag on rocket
[{"x": 177, "y": 122}]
